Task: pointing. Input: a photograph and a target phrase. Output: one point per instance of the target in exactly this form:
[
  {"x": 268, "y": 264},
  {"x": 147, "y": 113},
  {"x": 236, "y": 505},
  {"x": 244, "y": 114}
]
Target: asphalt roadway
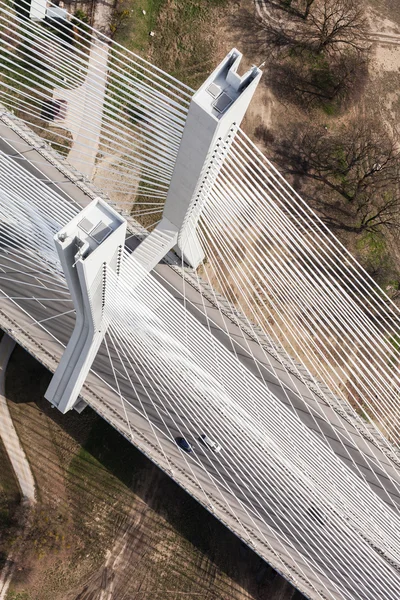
[{"x": 275, "y": 535}]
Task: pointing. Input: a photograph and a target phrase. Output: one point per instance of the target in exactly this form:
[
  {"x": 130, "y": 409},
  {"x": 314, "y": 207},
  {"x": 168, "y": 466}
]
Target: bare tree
[
  {"x": 335, "y": 25},
  {"x": 350, "y": 176},
  {"x": 300, "y": 8},
  {"x": 318, "y": 48},
  {"x": 329, "y": 26},
  {"x": 307, "y": 4},
  {"x": 323, "y": 81}
]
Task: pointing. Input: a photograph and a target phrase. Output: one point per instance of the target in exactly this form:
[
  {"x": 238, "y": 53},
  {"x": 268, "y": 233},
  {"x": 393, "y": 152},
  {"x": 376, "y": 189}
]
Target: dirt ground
[
  {"x": 109, "y": 524},
  {"x": 238, "y": 28},
  {"x": 380, "y": 98}
]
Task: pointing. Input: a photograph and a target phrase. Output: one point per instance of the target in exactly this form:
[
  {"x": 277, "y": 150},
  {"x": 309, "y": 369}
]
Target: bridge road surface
[{"x": 186, "y": 469}]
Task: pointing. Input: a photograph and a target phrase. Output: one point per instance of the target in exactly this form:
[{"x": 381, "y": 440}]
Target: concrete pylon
[
  {"x": 215, "y": 110},
  {"x": 93, "y": 241}
]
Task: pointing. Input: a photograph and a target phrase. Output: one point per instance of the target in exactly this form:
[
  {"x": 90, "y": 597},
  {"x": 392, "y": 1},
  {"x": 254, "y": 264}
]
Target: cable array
[
  {"x": 292, "y": 476},
  {"x": 281, "y": 267},
  {"x": 195, "y": 366},
  {"x": 116, "y": 117}
]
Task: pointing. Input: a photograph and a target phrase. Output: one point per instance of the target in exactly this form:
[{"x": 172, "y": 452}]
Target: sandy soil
[
  {"x": 389, "y": 9},
  {"x": 238, "y": 28},
  {"x": 382, "y": 89}
]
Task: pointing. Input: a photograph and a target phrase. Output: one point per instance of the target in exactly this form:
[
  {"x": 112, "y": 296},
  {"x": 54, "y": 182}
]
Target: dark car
[{"x": 182, "y": 443}]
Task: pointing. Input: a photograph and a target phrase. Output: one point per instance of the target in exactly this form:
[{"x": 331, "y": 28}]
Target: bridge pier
[
  {"x": 87, "y": 246},
  {"x": 216, "y": 110}
]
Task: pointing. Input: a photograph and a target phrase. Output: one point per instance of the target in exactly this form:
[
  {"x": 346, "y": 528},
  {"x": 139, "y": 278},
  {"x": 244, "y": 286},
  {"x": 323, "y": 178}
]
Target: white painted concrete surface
[
  {"x": 85, "y": 273},
  {"x": 208, "y": 122}
]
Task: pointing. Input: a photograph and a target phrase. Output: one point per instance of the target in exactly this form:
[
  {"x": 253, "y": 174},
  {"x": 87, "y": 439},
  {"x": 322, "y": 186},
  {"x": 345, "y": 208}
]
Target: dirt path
[
  {"x": 87, "y": 99},
  {"x": 112, "y": 578},
  {"x": 141, "y": 547},
  {"x": 102, "y": 16}
]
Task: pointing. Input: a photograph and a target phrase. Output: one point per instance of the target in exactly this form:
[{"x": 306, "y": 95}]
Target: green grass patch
[
  {"x": 375, "y": 243},
  {"x": 98, "y": 480},
  {"x": 8, "y": 483},
  {"x": 131, "y": 27},
  {"x": 12, "y": 595},
  {"x": 394, "y": 341},
  {"x": 105, "y": 450},
  {"x": 374, "y": 254},
  {"x": 183, "y": 42},
  {"x": 363, "y": 414},
  {"x": 330, "y": 109}
]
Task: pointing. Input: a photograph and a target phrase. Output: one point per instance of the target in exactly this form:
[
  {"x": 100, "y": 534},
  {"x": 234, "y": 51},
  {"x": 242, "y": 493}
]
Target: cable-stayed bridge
[{"x": 262, "y": 331}]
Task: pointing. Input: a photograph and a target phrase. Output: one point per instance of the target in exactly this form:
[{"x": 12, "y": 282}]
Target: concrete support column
[
  {"x": 215, "y": 111},
  {"x": 90, "y": 243}
]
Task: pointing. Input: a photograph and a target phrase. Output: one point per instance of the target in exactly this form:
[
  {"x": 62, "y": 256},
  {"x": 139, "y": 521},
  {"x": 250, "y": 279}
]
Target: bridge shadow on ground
[{"x": 108, "y": 519}]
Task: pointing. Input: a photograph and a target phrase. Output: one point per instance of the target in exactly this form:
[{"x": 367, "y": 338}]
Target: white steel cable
[
  {"x": 288, "y": 267},
  {"x": 310, "y": 411},
  {"x": 234, "y": 515},
  {"x": 149, "y": 99},
  {"x": 329, "y": 247},
  {"x": 46, "y": 78},
  {"x": 219, "y": 371},
  {"x": 128, "y": 57},
  {"x": 246, "y": 347},
  {"x": 197, "y": 338},
  {"x": 380, "y": 464}
]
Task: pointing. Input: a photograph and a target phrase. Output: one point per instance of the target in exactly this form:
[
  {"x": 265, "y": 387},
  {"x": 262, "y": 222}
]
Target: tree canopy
[{"x": 351, "y": 175}]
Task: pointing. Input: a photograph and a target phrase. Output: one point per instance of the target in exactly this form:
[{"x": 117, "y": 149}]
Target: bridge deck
[{"x": 16, "y": 317}]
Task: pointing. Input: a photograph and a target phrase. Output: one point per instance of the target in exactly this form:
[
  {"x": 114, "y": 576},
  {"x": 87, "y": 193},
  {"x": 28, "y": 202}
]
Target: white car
[{"x": 210, "y": 443}]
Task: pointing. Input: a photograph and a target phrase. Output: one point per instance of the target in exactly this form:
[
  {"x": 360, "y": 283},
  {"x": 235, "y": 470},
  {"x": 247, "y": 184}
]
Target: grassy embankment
[{"x": 184, "y": 35}]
